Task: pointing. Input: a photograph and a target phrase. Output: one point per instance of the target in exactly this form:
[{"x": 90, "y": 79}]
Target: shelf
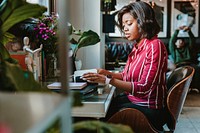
[{"x": 34, "y": 112}]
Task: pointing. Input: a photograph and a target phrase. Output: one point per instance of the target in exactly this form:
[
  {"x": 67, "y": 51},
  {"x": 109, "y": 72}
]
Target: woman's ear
[{"x": 138, "y": 21}]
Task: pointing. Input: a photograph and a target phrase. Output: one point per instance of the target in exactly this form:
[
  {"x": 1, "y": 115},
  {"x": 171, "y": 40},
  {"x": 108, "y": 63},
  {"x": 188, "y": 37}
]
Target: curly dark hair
[{"x": 144, "y": 13}]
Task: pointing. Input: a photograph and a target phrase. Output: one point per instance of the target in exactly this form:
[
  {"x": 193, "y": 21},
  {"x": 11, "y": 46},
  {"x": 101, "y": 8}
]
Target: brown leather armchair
[{"x": 178, "y": 84}]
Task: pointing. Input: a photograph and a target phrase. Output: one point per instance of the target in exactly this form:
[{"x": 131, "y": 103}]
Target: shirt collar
[
  {"x": 144, "y": 41},
  {"x": 140, "y": 44}
]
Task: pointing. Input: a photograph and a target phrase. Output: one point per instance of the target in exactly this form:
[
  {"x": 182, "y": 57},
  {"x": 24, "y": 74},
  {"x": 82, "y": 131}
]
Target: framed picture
[
  {"x": 185, "y": 13},
  {"x": 119, "y": 5},
  {"x": 160, "y": 8}
]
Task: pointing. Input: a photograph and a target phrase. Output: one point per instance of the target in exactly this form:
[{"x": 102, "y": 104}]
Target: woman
[{"x": 143, "y": 78}]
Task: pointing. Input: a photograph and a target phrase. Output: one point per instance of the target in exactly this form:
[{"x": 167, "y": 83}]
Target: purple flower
[{"x": 46, "y": 30}]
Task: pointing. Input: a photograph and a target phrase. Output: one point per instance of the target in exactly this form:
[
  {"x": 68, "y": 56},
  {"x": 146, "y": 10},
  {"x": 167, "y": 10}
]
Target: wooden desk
[{"x": 95, "y": 106}]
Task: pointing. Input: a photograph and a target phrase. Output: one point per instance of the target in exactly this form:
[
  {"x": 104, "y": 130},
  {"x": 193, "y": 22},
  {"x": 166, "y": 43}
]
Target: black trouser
[{"x": 156, "y": 117}]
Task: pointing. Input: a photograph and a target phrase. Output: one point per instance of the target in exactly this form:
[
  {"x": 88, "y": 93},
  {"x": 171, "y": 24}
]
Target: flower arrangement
[{"x": 46, "y": 33}]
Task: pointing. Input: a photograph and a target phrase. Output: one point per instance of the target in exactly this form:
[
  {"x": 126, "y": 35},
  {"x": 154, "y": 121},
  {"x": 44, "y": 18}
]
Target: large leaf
[
  {"x": 3, "y": 5},
  {"x": 22, "y": 13},
  {"x": 3, "y": 52},
  {"x": 15, "y": 12},
  {"x": 7, "y": 37},
  {"x": 100, "y": 127},
  {"x": 10, "y": 6},
  {"x": 88, "y": 38},
  {"x": 5, "y": 56},
  {"x": 13, "y": 78}
]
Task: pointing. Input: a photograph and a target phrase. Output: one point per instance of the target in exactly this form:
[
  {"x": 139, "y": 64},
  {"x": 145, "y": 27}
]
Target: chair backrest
[
  {"x": 178, "y": 85},
  {"x": 176, "y": 75}
]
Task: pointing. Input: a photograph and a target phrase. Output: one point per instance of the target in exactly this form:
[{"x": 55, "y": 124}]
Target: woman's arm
[
  {"x": 106, "y": 72},
  {"x": 154, "y": 69},
  {"x": 115, "y": 80}
]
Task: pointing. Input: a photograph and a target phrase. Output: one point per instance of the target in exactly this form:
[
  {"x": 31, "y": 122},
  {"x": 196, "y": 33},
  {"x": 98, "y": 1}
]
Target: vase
[
  {"x": 72, "y": 65},
  {"x": 50, "y": 65},
  {"x": 78, "y": 64}
]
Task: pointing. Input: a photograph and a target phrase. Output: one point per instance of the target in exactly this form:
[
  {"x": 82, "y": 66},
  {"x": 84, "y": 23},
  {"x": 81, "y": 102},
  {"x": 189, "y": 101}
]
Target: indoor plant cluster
[
  {"x": 14, "y": 79},
  {"x": 46, "y": 32},
  {"x": 85, "y": 38}
]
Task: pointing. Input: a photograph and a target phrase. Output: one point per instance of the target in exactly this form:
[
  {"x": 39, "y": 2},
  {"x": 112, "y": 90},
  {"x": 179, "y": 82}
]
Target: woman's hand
[
  {"x": 102, "y": 71},
  {"x": 94, "y": 78}
]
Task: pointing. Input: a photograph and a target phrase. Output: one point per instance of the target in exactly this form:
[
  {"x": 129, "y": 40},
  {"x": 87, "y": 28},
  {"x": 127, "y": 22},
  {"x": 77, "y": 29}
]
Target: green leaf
[
  {"x": 15, "y": 11},
  {"x": 77, "y": 99},
  {"x": 88, "y": 38},
  {"x": 100, "y": 127},
  {"x": 7, "y": 37},
  {"x": 13, "y": 78},
  {"x": 22, "y": 13},
  {"x": 3, "y": 5},
  {"x": 17, "y": 3},
  {"x": 5, "y": 56},
  {"x": 9, "y": 7},
  {"x": 4, "y": 52}
]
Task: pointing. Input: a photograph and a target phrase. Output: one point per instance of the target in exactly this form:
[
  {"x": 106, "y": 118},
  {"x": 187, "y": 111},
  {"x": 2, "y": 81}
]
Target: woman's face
[{"x": 130, "y": 27}]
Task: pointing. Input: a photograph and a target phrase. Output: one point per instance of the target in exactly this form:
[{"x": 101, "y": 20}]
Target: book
[
  {"x": 79, "y": 73},
  {"x": 72, "y": 85},
  {"x": 77, "y": 85}
]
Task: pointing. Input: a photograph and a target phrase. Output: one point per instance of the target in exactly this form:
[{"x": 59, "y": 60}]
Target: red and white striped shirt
[{"x": 146, "y": 69}]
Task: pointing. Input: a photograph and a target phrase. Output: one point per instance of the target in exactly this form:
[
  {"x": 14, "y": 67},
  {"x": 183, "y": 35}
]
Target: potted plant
[
  {"x": 14, "y": 12},
  {"x": 86, "y": 38},
  {"x": 13, "y": 78},
  {"x": 46, "y": 34}
]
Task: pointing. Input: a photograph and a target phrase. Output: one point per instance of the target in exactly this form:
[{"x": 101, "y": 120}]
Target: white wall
[{"x": 86, "y": 15}]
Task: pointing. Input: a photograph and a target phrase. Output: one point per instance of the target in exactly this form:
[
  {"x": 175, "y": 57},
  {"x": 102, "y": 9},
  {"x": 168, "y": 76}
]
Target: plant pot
[
  {"x": 78, "y": 64},
  {"x": 72, "y": 65},
  {"x": 50, "y": 66}
]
